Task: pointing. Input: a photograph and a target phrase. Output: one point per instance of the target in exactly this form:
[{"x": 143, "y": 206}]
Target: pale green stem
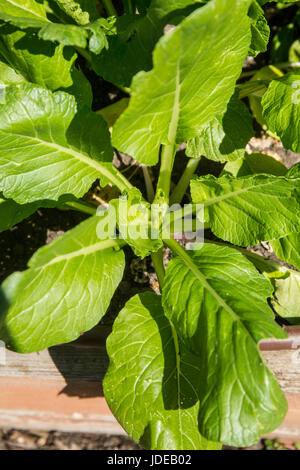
[
  {"x": 157, "y": 260},
  {"x": 166, "y": 167},
  {"x": 81, "y": 206},
  {"x": 109, "y": 7},
  {"x": 183, "y": 183},
  {"x": 148, "y": 183}
]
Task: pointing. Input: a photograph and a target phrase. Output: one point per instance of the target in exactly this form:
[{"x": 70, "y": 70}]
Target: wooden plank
[
  {"x": 60, "y": 388},
  {"x": 45, "y": 404}
]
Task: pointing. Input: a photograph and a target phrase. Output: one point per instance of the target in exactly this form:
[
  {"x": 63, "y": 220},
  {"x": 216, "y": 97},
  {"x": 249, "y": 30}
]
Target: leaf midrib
[
  {"x": 26, "y": 9},
  {"x": 117, "y": 179},
  {"x": 100, "y": 246},
  {"x": 217, "y": 199}
]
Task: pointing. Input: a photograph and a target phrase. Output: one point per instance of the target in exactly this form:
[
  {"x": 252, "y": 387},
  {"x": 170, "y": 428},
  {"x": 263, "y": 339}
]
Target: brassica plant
[{"x": 185, "y": 367}]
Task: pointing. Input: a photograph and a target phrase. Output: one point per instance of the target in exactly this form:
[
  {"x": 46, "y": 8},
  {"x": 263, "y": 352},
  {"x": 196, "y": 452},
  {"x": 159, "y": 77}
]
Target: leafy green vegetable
[
  {"x": 185, "y": 368},
  {"x": 56, "y": 160},
  {"x": 247, "y": 209},
  {"x": 66, "y": 290},
  {"x": 217, "y": 302},
  {"x": 151, "y": 385},
  {"x": 170, "y": 104}
]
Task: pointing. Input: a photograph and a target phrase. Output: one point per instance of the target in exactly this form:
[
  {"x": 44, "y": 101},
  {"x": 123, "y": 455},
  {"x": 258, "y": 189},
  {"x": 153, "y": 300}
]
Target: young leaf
[
  {"x": 152, "y": 382},
  {"x": 134, "y": 223},
  {"x": 259, "y": 29},
  {"x": 281, "y": 109},
  {"x": 249, "y": 209},
  {"x": 225, "y": 137},
  {"x": 46, "y": 151},
  {"x": 171, "y": 104},
  {"x": 66, "y": 290},
  {"x": 90, "y": 34},
  {"x": 74, "y": 10},
  {"x": 217, "y": 302}
]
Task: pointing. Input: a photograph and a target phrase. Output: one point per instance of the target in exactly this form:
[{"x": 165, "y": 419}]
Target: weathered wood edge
[{"x": 61, "y": 388}]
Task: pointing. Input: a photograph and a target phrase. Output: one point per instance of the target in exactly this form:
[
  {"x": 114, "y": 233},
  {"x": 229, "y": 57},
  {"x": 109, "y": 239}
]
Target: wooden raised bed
[{"x": 60, "y": 388}]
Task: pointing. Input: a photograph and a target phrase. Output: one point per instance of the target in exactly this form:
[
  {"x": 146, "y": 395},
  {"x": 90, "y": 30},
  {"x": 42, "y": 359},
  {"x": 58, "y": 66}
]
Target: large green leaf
[
  {"x": 249, "y": 209},
  {"x": 66, "y": 290},
  {"x": 170, "y": 104},
  {"x": 45, "y": 151},
  {"x": 224, "y": 138},
  {"x": 281, "y": 109},
  {"x": 152, "y": 382},
  {"x": 217, "y": 302}
]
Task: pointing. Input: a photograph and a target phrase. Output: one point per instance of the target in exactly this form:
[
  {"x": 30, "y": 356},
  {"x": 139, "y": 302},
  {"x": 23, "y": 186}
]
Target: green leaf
[
  {"x": 46, "y": 150},
  {"x": 286, "y": 283},
  {"x": 81, "y": 89},
  {"x": 151, "y": 386},
  {"x": 113, "y": 111},
  {"x": 162, "y": 8},
  {"x": 259, "y": 28},
  {"x": 73, "y": 9},
  {"x": 8, "y": 76},
  {"x": 254, "y": 164},
  {"x": 23, "y": 9},
  {"x": 217, "y": 302},
  {"x": 11, "y": 213},
  {"x": 129, "y": 50},
  {"x": 294, "y": 52},
  {"x": 249, "y": 209},
  {"x": 134, "y": 223},
  {"x": 287, "y": 293},
  {"x": 294, "y": 171},
  {"x": 170, "y": 104},
  {"x": 90, "y": 34},
  {"x": 281, "y": 44},
  {"x": 288, "y": 249},
  {"x": 281, "y": 109},
  {"x": 66, "y": 290},
  {"x": 36, "y": 60},
  {"x": 224, "y": 138}
]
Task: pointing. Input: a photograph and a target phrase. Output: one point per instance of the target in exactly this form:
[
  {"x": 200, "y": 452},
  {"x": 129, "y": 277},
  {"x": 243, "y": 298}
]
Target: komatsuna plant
[{"x": 185, "y": 368}]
